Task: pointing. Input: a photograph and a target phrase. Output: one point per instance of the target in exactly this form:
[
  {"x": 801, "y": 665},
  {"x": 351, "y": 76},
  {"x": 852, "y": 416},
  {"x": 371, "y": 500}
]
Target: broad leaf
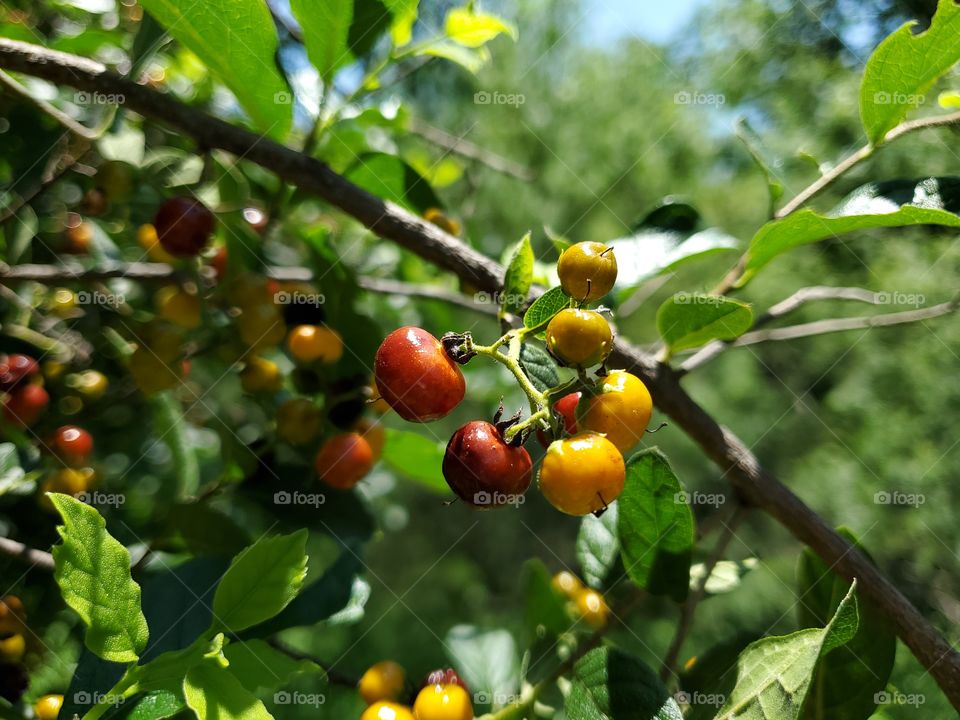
[
  {"x": 416, "y": 457},
  {"x": 261, "y": 581},
  {"x": 326, "y": 29},
  {"x": 774, "y": 674},
  {"x": 689, "y": 320},
  {"x": 904, "y": 67},
  {"x": 487, "y": 659},
  {"x": 655, "y": 526},
  {"x": 237, "y": 40},
  {"x": 539, "y": 366},
  {"x": 546, "y": 613},
  {"x": 709, "y": 677},
  {"x": 258, "y": 666},
  {"x": 213, "y": 693},
  {"x": 474, "y": 29},
  {"x": 598, "y": 546},
  {"x": 93, "y": 572},
  {"x": 545, "y": 307},
  {"x": 518, "y": 278},
  {"x": 611, "y": 685},
  {"x": 154, "y": 705},
  {"x": 390, "y": 178}
]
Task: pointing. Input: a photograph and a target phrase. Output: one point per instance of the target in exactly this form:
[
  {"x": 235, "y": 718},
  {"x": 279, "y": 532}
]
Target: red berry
[
  {"x": 447, "y": 676},
  {"x": 73, "y": 444},
  {"x": 15, "y": 369},
  {"x": 25, "y": 404},
  {"x": 482, "y": 469},
  {"x": 344, "y": 460},
  {"x": 566, "y": 407},
  {"x": 416, "y": 377},
  {"x": 184, "y": 226}
]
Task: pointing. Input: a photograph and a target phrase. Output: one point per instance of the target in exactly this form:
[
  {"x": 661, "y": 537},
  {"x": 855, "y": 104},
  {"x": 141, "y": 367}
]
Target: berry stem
[{"x": 511, "y": 360}]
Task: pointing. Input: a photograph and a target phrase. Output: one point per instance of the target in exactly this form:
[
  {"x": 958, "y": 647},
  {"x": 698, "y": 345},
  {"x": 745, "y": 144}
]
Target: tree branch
[
  {"x": 142, "y": 271},
  {"x": 37, "y": 558},
  {"x": 755, "y": 485}
]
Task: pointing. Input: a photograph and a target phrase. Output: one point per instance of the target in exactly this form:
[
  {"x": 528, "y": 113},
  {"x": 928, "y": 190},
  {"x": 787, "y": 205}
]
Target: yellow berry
[
  {"x": 443, "y": 702},
  {"x": 592, "y": 607},
  {"x": 48, "y": 707},
  {"x": 382, "y": 681},
  {"x": 566, "y": 583},
  {"x": 12, "y": 649},
  {"x": 387, "y": 711}
]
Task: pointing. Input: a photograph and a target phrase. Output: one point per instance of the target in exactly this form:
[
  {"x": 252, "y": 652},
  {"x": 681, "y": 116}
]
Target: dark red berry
[
  {"x": 25, "y": 404},
  {"x": 17, "y": 368},
  {"x": 184, "y": 226},
  {"x": 483, "y": 470},
  {"x": 73, "y": 444}
]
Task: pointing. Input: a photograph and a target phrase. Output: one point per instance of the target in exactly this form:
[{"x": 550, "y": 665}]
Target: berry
[
  {"x": 15, "y": 369},
  {"x": 77, "y": 236},
  {"x": 566, "y": 583},
  {"x": 387, "y": 711},
  {"x": 91, "y": 384},
  {"x": 25, "y": 404},
  {"x": 382, "y": 681},
  {"x": 261, "y": 325},
  {"x": 48, "y": 707},
  {"x": 443, "y": 702},
  {"x": 309, "y": 343},
  {"x": 73, "y": 444},
  {"x": 582, "y": 474},
  {"x": 592, "y": 608},
  {"x": 148, "y": 240},
  {"x": 416, "y": 376},
  {"x": 219, "y": 263},
  {"x": 482, "y": 469},
  {"x": 344, "y": 460},
  {"x": 587, "y": 270},
  {"x": 375, "y": 435},
  {"x": 260, "y": 375},
  {"x": 447, "y": 676},
  {"x": 179, "y": 307},
  {"x": 152, "y": 373},
  {"x": 184, "y": 226},
  {"x": 620, "y": 411},
  {"x": 68, "y": 481},
  {"x": 63, "y": 302},
  {"x": 256, "y": 218},
  {"x": 12, "y": 616},
  {"x": 566, "y": 408},
  {"x": 298, "y": 421},
  {"x": 12, "y": 649},
  {"x": 579, "y": 337}
]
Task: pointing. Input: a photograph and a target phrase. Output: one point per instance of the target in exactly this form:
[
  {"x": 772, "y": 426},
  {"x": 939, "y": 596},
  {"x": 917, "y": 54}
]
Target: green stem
[
  {"x": 126, "y": 686},
  {"x": 511, "y": 360}
]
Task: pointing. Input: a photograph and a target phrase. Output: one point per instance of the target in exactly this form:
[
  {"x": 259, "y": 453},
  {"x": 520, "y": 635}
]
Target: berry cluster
[
  {"x": 587, "y": 423},
  {"x": 584, "y": 603},
  {"x": 13, "y": 648},
  {"x": 441, "y": 696}
]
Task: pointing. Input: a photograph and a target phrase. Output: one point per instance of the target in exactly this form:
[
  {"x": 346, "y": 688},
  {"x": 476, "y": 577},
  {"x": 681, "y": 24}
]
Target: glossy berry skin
[
  {"x": 48, "y": 707},
  {"x": 77, "y": 236},
  {"x": 566, "y": 583},
  {"x": 582, "y": 474},
  {"x": 416, "y": 377},
  {"x": 443, "y": 702},
  {"x": 25, "y": 404},
  {"x": 566, "y": 408},
  {"x": 298, "y": 421},
  {"x": 382, "y": 681},
  {"x": 621, "y": 410},
  {"x": 184, "y": 226},
  {"x": 16, "y": 369},
  {"x": 447, "y": 676},
  {"x": 580, "y": 338},
  {"x": 587, "y": 270},
  {"x": 310, "y": 343},
  {"x": 387, "y": 711},
  {"x": 73, "y": 444},
  {"x": 260, "y": 375},
  {"x": 482, "y": 469},
  {"x": 344, "y": 460},
  {"x": 591, "y": 607}
]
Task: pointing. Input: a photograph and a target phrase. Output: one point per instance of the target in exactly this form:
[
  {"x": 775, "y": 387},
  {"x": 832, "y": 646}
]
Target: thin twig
[
  {"x": 431, "y": 292},
  {"x": 142, "y": 271},
  {"x": 470, "y": 150},
  {"x": 37, "y": 558},
  {"x": 61, "y": 117}
]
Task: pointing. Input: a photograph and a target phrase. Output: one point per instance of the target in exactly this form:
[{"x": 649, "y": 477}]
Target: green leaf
[
  {"x": 487, "y": 659},
  {"x": 404, "y": 16},
  {"x": 545, "y": 307},
  {"x": 849, "y": 677},
  {"x": 539, "y": 366},
  {"x": 205, "y": 530},
  {"x": 93, "y": 572},
  {"x": 154, "y": 705},
  {"x": 774, "y": 674},
  {"x": 598, "y": 546},
  {"x": 258, "y": 666},
  {"x": 416, "y": 457},
  {"x": 725, "y": 576},
  {"x": 689, "y": 320},
  {"x": 611, "y": 685},
  {"x": 754, "y": 145},
  {"x": 655, "y": 526},
  {"x": 326, "y": 28},
  {"x": 518, "y": 278},
  {"x": 904, "y": 67},
  {"x": 470, "y": 59},
  {"x": 261, "y": 581},
  {"x": 170, "y": 425},
  {"x": 545, "y": 610},
  {"x": 709, "y": 677},
  {"x": 474, "y": 29},
  {"x": 390, "y": 178},
  {"x": 371, "y": 19},
  {"x": 213, "y": 693},
  {"x": 12, "y": 476},
  {"x": 237, "y": 40}
]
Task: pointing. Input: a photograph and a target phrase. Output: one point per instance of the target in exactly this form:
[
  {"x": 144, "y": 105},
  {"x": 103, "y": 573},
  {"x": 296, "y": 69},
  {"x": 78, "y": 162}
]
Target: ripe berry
[
  {"x": 443, "y": 702},
  {"x": 582, "y": 474},
  {"x": 48, "y": 707},
  {"x": 261, "y": 325},
  {"x": 68, "y": 481},
  {"x": 579, "y": 337},
  {"x": 387, "y": 711},
  {"x": 309, "y": 343},
  {"x": 620, "y": 411},
  {"x": 416, "y": 377},
  {"x": 382, "y": 681},
  {"x": 587, "y": 270},
  {"x": 77, "y": 236},
  {"x": 148, "y": 240},
  {"x": 298, "y": 421},
  {"x": 260, "y": 375},
  {"x": 447, "y": 676},
  {"x": 12, "y": 616},
  {"x": 15, "y": 369},
  {"x": 566, "y": 408},
  {"x": 375, "y": 435},
  {"x": 566, "y": 583},
  {"x": 344, "y": 460},
  {"x": 482, "y": 469},
  {"x": 592, "y": 608},
  {"x": 179, "y": 307},
  {"x": 25, "y": 404},
  {"x": 73, "y": 444},
  {"x": 12, "y": 649},
  {"x": 62, "y": 302},
  {"x": 184, "y": 226}
]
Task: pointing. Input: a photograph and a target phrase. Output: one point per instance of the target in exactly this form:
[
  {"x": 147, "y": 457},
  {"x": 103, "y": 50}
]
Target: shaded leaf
[
  {"x": 487, "y": 659},
  {"x": 539, "y": 366},
  {"x": 416, "y": 457},
  {"x": 545, "y": 307},
  {"x": 390, "y": 178},
  {"x": 258, "y": 666},
  {"x": 598, "y": 546},
  {"x": 689, "y": 320},
  {"x": 213, "y": 693}
]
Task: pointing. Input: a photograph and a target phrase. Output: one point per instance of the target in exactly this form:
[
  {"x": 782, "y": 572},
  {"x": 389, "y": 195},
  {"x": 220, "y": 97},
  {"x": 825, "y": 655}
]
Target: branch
[
  {"x": 37, "y": 558},
  {"x": 755, "y": 485},
  {"x": 142, "y": 271},
  {"x": 470, "y": 150},
  {"x": 430, "y": 292}
]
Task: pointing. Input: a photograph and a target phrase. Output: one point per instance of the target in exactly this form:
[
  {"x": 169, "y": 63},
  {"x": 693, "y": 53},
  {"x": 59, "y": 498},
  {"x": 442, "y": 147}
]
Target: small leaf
[
  {"x": 487, "y": 659},
  {"x": 655, "y": 526},
  {"x": 326, "y": 28},
  {"x": 904, "y": 67},
  {"x": 611, "y": 685},
  {"x": 689, "y": 320},
  {"x": 518, "y": 278},
  {"x": 258, "y": 666},
  {"x": 545, "y": 307},
  {"x": 473, "y": 29},
  {"x": 416, "y": 457},
  {"x": 598, "y": 546},
  {"x": 93, "y": 572},
  {"x": 539, "y": 366},
  {"x": 213, "y": 693},
  {"x": 261, "y": 581},
  {"x": 390, "y": 178}
]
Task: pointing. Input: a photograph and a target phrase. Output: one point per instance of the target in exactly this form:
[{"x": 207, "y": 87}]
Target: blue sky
[{"x": 653, "y": 20}]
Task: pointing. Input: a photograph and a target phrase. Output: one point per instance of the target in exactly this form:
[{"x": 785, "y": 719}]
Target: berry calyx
[
  {"x": 25, "y": 404},
  {"x": 620, "y": 411},
  {"x": 416, "y": 377},
  {"x": 309, "y": 343},
  {"x": 48, "y": 707},
  {"x": 382, "y": 681},
  {"x": 482, "y": 469},
  {"x": 387, "y": 711},
  {"x": 580, "y": 338},
  {"x": 447, "y": 676},
  {"x": 184, "y": 226},
  {"x": 73, "y": 444},
  {"x": 587, "y": 270},
  {"x": 582, "y": 474},
  {"x": 443, "y": 702},
  {"x": 344, "y": 460}
]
